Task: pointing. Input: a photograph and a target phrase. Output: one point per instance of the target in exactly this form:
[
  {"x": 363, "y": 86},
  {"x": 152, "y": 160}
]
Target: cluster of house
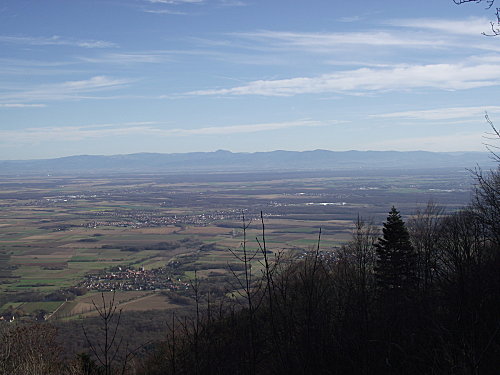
[
  {"x": 326, "y": 256},
  {"x": 130, "y": 279},
  {"x": 141, "y": 219},
  {"x": 7, "y": 317},
  {"x": 54, "y": 201}
]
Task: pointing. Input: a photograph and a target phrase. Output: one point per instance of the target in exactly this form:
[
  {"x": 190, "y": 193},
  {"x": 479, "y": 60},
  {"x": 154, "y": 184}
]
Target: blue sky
[{"x": 125, "y": 76}]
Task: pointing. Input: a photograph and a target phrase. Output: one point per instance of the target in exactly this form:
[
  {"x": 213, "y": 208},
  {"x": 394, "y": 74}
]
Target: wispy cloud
[
  {"x": 162, "y": 56},
  {"x": 21, "y": 105},
  {"x": 356, "y": 18},
  {"x": 65, "y": 90},
  {"x": 73, "y": 133},
  {"x": 155, "y": 129},
  {"x": 324, "y": 42},
  {"x": 170, "y": 11},
  {"x": 402, "y": 77},
  {"x": 481, "y": 59},
  {"x": 232, "y": 3},
  {"x": 442, "y": 113},
  {"x": 175, "y": 1},
  {"x": 443, "y": 143},
  {"x": 368, "y": 43},
  {"x": 130, "y": 58},
  {"x": 469, "y": 26},
  {"x": 165, "y": 11},
  {"x": 252, "y": 128},
  {"x": 55, "y": 40},
  {"x": 163, "y": 6}
]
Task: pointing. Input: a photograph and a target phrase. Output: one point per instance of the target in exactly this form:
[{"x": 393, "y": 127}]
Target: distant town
[{"x": 121, "y": 278}]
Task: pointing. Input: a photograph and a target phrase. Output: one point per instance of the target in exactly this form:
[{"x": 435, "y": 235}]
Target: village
[
  {"x": 142, "y": 218},
  {"x": 122, "y": 278}
]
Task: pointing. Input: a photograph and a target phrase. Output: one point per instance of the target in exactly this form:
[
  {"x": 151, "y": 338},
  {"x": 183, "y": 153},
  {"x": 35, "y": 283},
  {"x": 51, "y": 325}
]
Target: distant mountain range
[{"x": 226, "y": 161}]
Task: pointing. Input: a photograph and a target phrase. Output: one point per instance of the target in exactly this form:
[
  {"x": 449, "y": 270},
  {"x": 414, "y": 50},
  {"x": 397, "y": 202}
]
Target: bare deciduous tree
[
  {"x": 495, "y": 25},
  {"x": 28, "y": 349},
  {"x": 424, "y": 233},
  {"x": 110, "y": 350}
]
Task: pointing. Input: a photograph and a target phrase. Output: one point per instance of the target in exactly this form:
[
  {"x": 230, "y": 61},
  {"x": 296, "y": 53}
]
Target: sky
[{"x": 104, "y": 77}]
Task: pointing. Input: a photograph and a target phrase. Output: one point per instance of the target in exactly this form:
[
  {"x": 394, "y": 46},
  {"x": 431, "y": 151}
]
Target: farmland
[{"x": 55, "y": 231}]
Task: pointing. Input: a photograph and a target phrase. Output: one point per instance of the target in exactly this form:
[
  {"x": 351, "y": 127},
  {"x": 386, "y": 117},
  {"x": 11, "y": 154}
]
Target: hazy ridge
[{"x": 259, "y": 161}]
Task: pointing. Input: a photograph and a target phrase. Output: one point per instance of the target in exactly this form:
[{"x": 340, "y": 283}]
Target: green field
[{"x": 56, "y": 230}]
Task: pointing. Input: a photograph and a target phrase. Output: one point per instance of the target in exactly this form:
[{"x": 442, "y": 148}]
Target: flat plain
[{"x": 57, "y": 230}]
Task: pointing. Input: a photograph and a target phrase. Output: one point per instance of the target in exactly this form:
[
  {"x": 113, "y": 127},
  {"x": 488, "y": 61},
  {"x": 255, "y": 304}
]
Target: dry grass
[
  {"x": 159, "y": 230},
  {"x": 210, "y": 230},
  {"x": 125, "y": 301}
]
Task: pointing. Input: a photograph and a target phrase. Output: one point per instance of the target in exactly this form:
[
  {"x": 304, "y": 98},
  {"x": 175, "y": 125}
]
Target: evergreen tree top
[
  {"x": 394, "y": 230},
  {"x": 395, "y": 263}
]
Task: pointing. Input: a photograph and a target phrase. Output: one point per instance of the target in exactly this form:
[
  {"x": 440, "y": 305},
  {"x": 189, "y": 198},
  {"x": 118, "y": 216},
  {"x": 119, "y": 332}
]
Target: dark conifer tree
[{"x": 395, "y": 270}]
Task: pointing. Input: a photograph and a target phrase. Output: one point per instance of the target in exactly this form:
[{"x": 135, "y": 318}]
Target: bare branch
[
  {"x": 493, "y": 136},
  {"x": 495, "y": 26},
  {"x": 489, "y": 3}
]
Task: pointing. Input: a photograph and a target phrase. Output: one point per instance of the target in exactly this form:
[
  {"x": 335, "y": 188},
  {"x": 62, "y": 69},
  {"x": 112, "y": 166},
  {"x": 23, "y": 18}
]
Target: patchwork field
[{"x": 55, "y": 231}]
